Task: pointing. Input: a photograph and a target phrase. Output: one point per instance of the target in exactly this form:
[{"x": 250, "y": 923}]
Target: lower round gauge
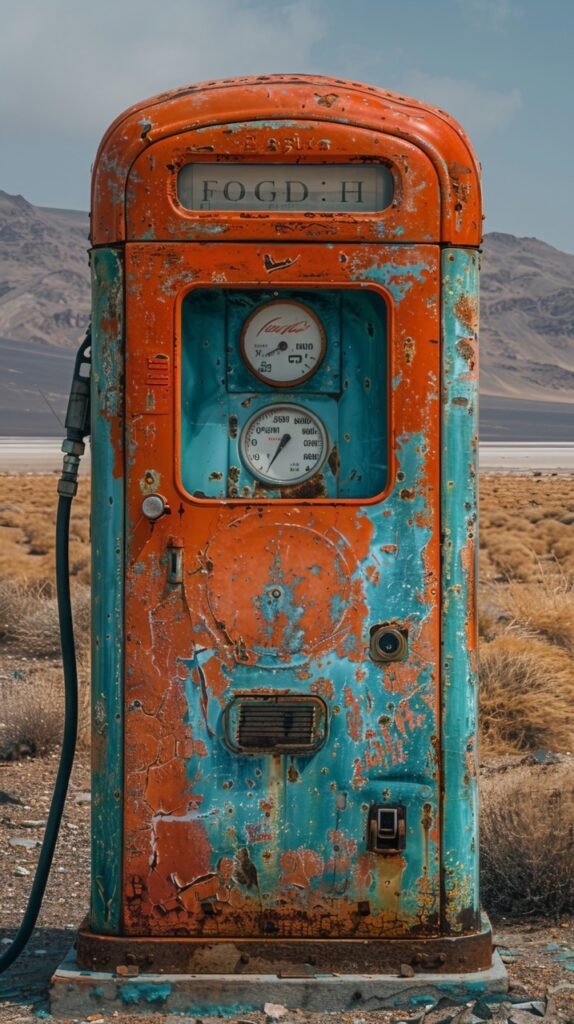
[{"x": 283, "y": 444}]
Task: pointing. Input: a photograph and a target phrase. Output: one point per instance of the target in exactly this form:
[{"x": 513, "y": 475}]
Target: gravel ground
[{"x": 536, "y": 954}]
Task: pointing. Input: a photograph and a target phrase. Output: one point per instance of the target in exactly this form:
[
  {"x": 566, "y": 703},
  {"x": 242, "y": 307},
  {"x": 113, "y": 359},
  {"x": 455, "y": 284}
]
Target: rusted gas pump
[{"x": 285, "y": 275}]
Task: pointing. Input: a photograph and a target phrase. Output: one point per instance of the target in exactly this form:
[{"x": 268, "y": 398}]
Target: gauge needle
[
  {"x": 284, "y": 440},
  {"x": 282, "y": 346}
]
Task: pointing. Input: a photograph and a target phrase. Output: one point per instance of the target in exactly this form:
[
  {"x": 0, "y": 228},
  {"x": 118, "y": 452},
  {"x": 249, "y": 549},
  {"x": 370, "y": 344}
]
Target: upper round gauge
[
  {"x": 283, "y": 444},
  {"x": 283, "y": 343}
]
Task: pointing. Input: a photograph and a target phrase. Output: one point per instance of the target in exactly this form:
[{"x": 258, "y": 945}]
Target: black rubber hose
[{"x": 69, "y": 739}]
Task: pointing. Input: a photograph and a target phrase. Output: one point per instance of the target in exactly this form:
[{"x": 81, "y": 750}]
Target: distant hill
[
  {"x": 526, "y": 337},
  {"x": 44, "y": 276},
  {"x": 527, "y": 320}
]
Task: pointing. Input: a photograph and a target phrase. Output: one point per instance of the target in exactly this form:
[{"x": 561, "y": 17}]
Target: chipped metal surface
[
  {"x": 430, "y": 156},
  {"x": 459, "y": 581},
  {"x": 107, "y": 537},
  {"x": 245, "y": 589}
]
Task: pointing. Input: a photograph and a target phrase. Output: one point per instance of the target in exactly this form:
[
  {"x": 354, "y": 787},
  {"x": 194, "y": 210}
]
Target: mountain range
[{"x": 526, "y": 334}]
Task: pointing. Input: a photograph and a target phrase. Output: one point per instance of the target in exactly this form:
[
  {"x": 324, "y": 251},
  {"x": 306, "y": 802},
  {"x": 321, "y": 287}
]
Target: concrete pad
[{"x": 77, "y": 993}]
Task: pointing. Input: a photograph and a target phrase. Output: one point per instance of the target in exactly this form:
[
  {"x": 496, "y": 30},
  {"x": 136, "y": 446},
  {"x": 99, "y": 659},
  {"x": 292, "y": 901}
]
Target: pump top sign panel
[
  {"x": 325, "y": 187},
  {"x": 285, "y": 421}
]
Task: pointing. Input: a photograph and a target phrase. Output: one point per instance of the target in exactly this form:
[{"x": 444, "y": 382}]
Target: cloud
[
  {"x": 489, "y": 14},
  {"x": 70, "y": 67},
  {"x": 481, "y": 111}
]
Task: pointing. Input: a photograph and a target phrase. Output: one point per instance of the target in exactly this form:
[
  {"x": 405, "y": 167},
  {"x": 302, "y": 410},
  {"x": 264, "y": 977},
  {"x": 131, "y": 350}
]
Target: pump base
[
  {"x": 74, "y": 991},
  {"x": 287, "y": 957}
]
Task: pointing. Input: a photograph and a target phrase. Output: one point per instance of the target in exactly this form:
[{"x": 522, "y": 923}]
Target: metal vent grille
[{"x": 274, "y": 725}]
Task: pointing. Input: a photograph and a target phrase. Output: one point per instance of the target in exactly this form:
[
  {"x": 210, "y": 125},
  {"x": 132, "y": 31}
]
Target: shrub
[
  {"x": 545, "y": 609},
  {"x": 32, "y": 715},
  {"x": 29, "y": 618},
  {"x": 526, "y": 695},
  {"x": 527, "y": 841}
]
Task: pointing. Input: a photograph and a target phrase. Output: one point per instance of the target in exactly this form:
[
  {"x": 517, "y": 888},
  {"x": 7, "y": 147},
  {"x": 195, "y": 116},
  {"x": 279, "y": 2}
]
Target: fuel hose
[{"x": 77, "y": 428}]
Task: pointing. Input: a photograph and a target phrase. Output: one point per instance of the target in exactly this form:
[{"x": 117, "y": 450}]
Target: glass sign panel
[{"x": 343, "y": 188}]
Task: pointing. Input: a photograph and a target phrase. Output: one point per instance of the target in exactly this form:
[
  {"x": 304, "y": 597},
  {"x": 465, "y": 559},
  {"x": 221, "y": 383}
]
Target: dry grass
[
  {"x": 544, "y": 609},
  {"x": 27, "y": 525},
  {"x": 31, "y": 683},
  {"x": 517, "y": 678},
  {"x": 526, "y": 613},
  {"x": 32, "y": 715},
  {"x": 525, "y": 522},
  {"x": 29, "y": 618},
  {"x": 527, "y": 841}
]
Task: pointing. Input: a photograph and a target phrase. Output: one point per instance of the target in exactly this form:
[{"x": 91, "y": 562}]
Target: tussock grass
[
  {"x": 526, "y": 614},
  {"x": 29, "y": 618},
  {"x": 544, "y": 609},
  {"x": 27, "y": 526},
  {"x": 526, "y": 696},
  {"x": 32, "y": 709},
  {"x": 527, "y": 841}
]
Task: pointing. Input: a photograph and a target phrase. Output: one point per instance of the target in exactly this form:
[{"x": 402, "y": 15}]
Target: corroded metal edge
[
  {"x": 107, "y": 533},
  {"x": 459, "y": 476},
  {"x": 441, "y": 954}
]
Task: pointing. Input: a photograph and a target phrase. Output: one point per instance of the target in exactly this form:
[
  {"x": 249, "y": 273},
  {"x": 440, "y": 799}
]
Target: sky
[{"x": 503, "y": 68}]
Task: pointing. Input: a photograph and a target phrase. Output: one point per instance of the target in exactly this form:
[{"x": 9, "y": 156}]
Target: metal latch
[{"x": 387, "y": 828}]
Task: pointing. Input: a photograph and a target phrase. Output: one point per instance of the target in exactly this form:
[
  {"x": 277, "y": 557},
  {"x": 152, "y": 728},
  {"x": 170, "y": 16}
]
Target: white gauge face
[
  {"x": 283, "y": 343},
  {"x": 283, "y": 444}
]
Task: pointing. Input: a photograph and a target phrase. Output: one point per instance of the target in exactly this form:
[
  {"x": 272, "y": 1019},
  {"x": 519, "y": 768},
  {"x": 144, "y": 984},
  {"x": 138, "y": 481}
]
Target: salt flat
[
  {"x": 527, "y": 457},
  {"x": 43, "y": 455}
]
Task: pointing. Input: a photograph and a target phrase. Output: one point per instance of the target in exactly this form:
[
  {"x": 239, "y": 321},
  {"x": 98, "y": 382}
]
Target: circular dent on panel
[{"x": 276, "y": 587}]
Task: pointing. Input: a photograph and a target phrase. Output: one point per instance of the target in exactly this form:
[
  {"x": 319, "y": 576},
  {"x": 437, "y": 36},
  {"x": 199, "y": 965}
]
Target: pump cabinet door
[{"x": 282, "y": 601}]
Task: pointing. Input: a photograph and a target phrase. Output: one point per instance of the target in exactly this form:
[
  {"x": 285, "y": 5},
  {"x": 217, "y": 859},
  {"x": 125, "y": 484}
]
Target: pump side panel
[
  {"x": 107, "y": 532},
  {"x": 459, "y": 580},
  {"x": 219, "y": 843}
]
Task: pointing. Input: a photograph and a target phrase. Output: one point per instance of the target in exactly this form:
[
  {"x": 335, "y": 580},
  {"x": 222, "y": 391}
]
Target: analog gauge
[
  {"x": 283, "y": 444},
  {"x": 283, "y": 343}
]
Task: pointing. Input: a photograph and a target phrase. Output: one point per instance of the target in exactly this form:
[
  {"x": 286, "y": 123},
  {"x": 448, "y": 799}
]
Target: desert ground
[{"x": 526, "y": 625}]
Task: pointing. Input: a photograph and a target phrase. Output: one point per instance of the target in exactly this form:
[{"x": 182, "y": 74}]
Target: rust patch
[
  {"x": 313, "y": 488},
  {"x": 328, "y": 100},
  {"x": 466, "y": 310},
  {"x": 232, "y": 428},
  {"x": 466, "y": 350},
  {"x": 410, "y": 349},
  {"x": 460, "y": 400},
  {"x": 334, "y": 461}
]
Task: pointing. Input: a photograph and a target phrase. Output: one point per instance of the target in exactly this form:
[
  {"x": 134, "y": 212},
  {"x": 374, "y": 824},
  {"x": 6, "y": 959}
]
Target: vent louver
[{"x": 271, "y": 724}]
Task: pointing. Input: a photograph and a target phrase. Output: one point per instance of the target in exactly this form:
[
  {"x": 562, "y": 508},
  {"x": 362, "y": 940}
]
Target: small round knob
[{"x": 154, "y": 507}]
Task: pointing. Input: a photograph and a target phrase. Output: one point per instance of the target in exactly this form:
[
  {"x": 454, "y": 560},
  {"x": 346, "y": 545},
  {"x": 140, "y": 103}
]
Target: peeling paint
[
  {"x": 107, "y": 537},
  {"x": 459, "y": 511}
]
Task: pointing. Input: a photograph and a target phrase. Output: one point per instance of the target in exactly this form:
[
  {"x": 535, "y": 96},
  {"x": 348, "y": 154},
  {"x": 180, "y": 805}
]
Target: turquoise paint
[
  {"x": 219, "y": 394},
  {"x": 107, "y": 533},
  {"x": 246, "y": 126},
  {"x": 136, "y": 992},
  {"x": 396, "y": 278},
  {"x": 459, "y": 670},
  {"x": 320, "y": 798}
]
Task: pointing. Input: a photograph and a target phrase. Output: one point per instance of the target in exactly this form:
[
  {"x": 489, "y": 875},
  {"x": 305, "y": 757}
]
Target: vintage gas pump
[{"x": 284, "y": 511}]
